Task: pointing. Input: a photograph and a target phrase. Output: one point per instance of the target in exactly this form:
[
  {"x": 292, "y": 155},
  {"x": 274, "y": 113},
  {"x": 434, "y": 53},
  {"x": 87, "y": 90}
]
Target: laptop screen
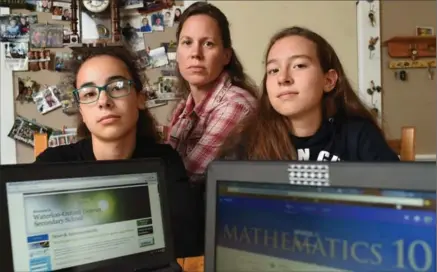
[
  {"x": 276, "y": 227},
  {"x": 65, "y": 223}
]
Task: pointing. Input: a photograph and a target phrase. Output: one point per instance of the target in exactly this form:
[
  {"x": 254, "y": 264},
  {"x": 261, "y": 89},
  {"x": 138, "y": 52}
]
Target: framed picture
[{"x": 424, "y": 31}]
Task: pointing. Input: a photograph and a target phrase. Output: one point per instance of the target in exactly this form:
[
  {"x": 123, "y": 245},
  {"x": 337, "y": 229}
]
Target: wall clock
[
  {"x": 102, "y": 16},
  {"x": 95, "y": 6}
]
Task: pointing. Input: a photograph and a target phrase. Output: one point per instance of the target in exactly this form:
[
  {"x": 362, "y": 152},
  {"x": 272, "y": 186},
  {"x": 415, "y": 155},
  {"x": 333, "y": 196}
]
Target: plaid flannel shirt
[{"x": 198, "y": 131}]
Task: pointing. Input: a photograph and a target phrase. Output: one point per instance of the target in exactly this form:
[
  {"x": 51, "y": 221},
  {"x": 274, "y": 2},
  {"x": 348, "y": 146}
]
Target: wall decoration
[
  {"x": 61, "y": 10},
  {"x": 46, "y": 36},
  {"x": 153, "y": 99},
  {"x": 16, "y": 56},
  {"x": 23, "y": 130},
  {"x": 69, "y": 105},
  {"x": 39, "y": 60},
  {"x": 63, "y": 137},
  {"x": 15, "y": 27},
  {"x": 157, "y": 21},
  {"x": 48, "y": 99},
  {"x": 158, "y": 57},
  {"x": 424, "y": 31},
  {"x": 43, "y": 5},
  {"x": 26, "y": 90},
  {"x": 369, "y": 53},
  {"x": 168, "y": 88},
  {"x": 131, "y": 4}
]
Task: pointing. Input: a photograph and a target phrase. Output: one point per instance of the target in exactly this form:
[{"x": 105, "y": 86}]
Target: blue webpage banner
[{"x": 357, "y": 238}]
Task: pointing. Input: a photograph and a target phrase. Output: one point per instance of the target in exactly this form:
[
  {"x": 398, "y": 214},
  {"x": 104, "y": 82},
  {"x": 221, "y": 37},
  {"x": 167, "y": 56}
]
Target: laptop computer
[
  {"x": 86, "y": 216},
  {"x": 306, "y": 216}
]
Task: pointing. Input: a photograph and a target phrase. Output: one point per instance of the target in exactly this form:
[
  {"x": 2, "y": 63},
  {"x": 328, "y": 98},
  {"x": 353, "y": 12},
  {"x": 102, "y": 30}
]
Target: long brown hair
[
  {"x": 146, "y": 124},
  {"x": 265, "y": 134},
  {"x": 234, "y": 68}
]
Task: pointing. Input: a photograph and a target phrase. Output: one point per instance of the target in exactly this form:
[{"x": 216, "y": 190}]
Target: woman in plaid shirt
[{"x": 218, "y": 94}]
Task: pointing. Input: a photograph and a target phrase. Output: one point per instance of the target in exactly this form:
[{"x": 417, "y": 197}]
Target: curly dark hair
[{"x": 146, "y": 124}]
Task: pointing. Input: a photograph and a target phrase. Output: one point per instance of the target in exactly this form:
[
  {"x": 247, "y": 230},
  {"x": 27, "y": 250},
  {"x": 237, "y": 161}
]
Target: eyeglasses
[{"x": 114, "y": 89}]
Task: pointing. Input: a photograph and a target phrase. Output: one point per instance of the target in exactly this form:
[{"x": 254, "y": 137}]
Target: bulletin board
[{"x": 57, "y": 119}]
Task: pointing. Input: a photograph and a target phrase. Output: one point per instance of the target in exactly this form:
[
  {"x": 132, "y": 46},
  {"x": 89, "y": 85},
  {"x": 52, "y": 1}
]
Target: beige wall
[
  {"x": 412, "y": 102},
  {"x": 254, "y": 22}
]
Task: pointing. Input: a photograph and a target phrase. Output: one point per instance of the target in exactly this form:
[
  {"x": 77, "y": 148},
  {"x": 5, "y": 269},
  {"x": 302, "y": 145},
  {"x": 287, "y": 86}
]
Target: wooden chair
[
  {"x": 192, "y": 264},
  {"x": 40, "y": 142},
  {"x": 405, "y": 147}
]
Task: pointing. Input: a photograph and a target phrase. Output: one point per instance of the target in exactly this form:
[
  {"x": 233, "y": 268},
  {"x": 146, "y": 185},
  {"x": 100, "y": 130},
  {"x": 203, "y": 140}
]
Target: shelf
[
  {"x": 402, "y": 46},
  {"x": 411, "y": 39},
  {"x": 404, "y": 64}
]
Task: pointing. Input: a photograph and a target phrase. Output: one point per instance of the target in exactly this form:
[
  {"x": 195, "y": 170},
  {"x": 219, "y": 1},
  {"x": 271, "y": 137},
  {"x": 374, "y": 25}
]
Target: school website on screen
[
  {"x": 323, "y": 230},
  {"x": 64, "y": 223}
]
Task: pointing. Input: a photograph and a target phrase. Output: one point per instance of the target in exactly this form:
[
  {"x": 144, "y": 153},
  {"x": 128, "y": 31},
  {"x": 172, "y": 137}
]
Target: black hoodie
[{"x": 351, "y": 139}]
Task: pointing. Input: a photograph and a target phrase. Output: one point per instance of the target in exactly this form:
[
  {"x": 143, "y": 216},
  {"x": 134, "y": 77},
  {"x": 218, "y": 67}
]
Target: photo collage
[
  {"x": 136, "y": 26},
  {"x": 21, "y": 32},
  {"x": 31, "y": 44}
]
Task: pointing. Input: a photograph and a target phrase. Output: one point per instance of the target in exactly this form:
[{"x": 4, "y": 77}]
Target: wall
[
  {"x": 254, "y": 22},
  {"x": 412, "y": 102}
]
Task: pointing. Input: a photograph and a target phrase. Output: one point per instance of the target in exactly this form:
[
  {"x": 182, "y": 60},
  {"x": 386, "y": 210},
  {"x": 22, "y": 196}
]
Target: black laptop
[
  {"x": 86, "y": 216},
  {"x": 321, "y": 217}
]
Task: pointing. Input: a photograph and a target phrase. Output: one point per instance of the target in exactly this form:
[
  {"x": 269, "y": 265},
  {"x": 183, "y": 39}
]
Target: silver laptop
[{"x": 317, "y": 216}]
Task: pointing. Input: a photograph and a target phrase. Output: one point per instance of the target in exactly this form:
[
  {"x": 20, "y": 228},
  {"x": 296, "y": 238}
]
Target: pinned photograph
[
  {"x": 62, "y": 61},
  {"x": 170, "y": 48},
  {"x": 137, "y": 23},
  {"x": 177, "y": 12},
  {"x": 46, "y": 36},
  {"x": 158, "y": 57},
  {"x": 23, "y": 130},
  {"x": 15, "y": 28},
  {"x": 47, "y": 100},
  {"x": 168, "y": 17},
  {"x": 43, "y": 5},
  {"x": 69, "y": 105},
  {"x": 142, "y": 60},
  {"x": 16, "y": 56},
  {"x": 57, "y": 139},
  {"x": 424, "y": 31},
  {"x": 131, "y": 4},
  {"x": 154, "y": 5},
  {"x": 152, "y": 99},
  {"x": 26, "y": 90},
  {"x": 157, "y": 20},
  {"x": 61, "y": 10},
  {"x": 168, "y": 88}
]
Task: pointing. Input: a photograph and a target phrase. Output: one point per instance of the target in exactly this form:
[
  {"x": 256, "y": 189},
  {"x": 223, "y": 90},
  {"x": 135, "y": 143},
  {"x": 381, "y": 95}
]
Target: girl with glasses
[{"x": 115, "y": 124}]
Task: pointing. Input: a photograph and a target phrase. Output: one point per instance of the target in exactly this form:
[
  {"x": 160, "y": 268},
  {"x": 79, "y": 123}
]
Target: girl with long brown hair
[{"x": 308, "y": 109}]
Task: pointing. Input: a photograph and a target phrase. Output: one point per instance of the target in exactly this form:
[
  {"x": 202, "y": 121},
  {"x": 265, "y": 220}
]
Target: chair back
[{"x": 405, "y": 147}]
